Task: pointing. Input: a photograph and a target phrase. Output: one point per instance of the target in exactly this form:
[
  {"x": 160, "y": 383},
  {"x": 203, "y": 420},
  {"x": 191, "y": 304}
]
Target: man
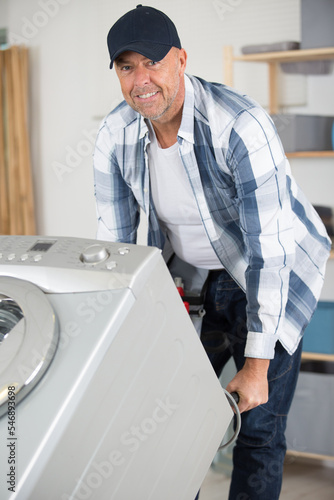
[{"x": 206, "y": 166}]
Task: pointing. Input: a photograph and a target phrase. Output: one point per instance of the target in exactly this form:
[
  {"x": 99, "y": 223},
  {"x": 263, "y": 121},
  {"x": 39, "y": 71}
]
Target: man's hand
[{"x": 251, "y": 383}]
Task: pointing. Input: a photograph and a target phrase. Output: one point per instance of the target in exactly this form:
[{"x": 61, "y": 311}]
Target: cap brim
[{"x": 152, "y": 51}]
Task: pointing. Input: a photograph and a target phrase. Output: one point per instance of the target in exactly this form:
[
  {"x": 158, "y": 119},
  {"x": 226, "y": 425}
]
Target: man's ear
[{"x": 183, "y": 60}]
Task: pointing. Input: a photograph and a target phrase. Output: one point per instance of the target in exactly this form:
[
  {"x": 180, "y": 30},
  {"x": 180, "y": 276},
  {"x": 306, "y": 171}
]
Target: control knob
[{"x": 94, "y": 254}]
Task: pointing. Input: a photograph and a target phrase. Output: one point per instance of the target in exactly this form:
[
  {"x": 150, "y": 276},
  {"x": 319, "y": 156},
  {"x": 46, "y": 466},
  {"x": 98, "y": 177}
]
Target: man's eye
[
  {"x": 125, "y": 68},
  {"x": 153, "y": 63}
]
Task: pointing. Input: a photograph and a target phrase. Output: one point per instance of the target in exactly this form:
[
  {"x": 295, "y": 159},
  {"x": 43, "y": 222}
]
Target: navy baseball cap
[{"x": 145, "y": 30}]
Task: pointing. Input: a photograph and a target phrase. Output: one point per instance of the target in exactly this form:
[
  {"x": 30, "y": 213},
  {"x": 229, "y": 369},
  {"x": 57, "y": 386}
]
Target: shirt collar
[
  {"x": 143, "y": 128},
  {"x": 186, "y": 130}
]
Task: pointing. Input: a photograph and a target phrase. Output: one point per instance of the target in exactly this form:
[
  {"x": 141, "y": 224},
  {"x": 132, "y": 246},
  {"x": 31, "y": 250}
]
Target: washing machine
[{"x": 105, "y": 389}]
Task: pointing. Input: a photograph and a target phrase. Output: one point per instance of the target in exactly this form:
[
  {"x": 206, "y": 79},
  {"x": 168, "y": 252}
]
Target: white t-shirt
[{"x": 176, "y": 207}]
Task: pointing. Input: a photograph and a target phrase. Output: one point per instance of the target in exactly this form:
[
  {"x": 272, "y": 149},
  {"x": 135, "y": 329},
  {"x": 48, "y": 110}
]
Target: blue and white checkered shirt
[{"x": 263, "y": 229}]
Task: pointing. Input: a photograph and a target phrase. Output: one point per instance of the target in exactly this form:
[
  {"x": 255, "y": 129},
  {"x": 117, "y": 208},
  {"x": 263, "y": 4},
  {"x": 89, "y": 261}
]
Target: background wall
[{"x": 72, "y": 87}]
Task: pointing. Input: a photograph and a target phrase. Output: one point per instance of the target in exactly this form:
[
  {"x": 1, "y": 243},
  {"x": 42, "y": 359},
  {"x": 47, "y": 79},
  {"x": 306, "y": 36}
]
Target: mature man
[{"x": 206, "y": 166}]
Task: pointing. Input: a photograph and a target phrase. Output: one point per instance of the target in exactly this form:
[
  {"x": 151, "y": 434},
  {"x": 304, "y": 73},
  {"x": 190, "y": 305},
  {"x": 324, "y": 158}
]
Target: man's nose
[{"x": 142, "y": 76}]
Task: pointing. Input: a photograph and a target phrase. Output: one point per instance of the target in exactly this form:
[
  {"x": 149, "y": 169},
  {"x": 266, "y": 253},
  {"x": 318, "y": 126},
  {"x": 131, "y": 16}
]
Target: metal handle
[
  {"x": 235, "y": 396},
  {"x": 233, "y": 399}
]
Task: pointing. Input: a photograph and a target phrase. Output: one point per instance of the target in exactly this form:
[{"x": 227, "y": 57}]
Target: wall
[
  {"x": 3, "y": 12},
  {"x": 72, "y": 87}
]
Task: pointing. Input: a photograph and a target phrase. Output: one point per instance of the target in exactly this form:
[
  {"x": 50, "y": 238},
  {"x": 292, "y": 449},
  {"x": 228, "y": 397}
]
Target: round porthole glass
[
  {"x": 10, "y": 315},
  {"x": 28, "y": 337}
]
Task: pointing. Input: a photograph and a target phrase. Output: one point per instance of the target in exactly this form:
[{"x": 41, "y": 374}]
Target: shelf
[
  {"x": 315, "y": 356},
  {"x": 289, "y": 56},
  {"x": 304, "y": 454},
  {"x": 311, "y": 154},
  {"x": 273, "y": 59}
]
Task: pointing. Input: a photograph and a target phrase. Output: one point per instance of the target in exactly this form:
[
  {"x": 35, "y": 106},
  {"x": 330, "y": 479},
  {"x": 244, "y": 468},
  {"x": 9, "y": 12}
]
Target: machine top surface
[{"x": 67, "y": 264}]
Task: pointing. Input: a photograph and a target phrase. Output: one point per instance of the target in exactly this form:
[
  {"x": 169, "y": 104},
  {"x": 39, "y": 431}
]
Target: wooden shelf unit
[
  {"x": 311, "y": 154},
  {"x": 311, "y": 456},
  {"x": 314, "y": 356},
  {"x": 273, "y": 59}
]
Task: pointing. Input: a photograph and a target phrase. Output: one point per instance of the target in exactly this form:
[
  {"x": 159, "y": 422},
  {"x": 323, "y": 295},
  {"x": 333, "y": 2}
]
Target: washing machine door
[{"x": 28, "y": 338}]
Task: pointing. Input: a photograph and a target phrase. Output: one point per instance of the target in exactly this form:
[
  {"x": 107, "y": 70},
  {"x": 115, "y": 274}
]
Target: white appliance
[{"x": 105, "y": 389}]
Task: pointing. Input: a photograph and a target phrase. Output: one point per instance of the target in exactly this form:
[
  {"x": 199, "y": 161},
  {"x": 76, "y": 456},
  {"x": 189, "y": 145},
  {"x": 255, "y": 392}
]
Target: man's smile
[{"x": 146, "y": 96}]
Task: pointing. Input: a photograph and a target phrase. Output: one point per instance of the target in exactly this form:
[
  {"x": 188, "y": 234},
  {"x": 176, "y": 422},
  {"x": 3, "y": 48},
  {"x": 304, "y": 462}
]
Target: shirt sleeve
[
  {"x": 258, "y": 164},
  {"x": 116, "y": 207}
]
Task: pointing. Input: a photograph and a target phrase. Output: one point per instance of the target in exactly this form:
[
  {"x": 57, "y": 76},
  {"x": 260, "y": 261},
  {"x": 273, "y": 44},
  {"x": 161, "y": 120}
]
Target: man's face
[{"x": 152, "y": 88}]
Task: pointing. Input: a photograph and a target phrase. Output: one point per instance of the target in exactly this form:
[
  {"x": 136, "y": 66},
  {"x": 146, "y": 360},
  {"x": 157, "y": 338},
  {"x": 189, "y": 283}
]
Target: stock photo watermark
[
  {"x": 129, "y": 443},
  {"x": 223, "y": 8},
  {"x": 39, "y": 20},
  {"x": 75, "y": 155},
  {"x": 11, "y": 439}
]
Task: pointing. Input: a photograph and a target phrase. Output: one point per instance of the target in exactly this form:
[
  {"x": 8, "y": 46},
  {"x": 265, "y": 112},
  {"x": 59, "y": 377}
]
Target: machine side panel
[{"x": 152, "y": 416}]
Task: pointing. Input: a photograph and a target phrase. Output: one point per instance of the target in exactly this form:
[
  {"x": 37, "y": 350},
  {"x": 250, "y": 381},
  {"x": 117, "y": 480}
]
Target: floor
[{"x": 302, "y": 480}]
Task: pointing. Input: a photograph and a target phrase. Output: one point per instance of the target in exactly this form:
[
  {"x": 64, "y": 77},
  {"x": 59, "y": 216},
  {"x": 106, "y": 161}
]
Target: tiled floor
[{"x": 302, "y": 480}]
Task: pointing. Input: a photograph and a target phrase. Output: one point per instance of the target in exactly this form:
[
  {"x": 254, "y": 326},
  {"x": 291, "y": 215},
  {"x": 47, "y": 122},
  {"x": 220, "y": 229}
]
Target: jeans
[{"x": 260, "y": 449}]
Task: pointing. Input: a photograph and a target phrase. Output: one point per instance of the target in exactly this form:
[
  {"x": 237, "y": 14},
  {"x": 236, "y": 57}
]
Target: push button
[
  {"x": 123, "y": 250},
  {"x": 111, "y": 265}
]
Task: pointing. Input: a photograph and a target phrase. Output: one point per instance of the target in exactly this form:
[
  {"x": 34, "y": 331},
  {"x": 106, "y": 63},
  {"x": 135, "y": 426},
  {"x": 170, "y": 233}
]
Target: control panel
[{"x": 67, "y": 264}]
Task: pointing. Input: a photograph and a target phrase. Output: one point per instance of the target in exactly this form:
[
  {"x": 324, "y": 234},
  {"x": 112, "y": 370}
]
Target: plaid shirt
[{"x": 261, "y": 226}]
